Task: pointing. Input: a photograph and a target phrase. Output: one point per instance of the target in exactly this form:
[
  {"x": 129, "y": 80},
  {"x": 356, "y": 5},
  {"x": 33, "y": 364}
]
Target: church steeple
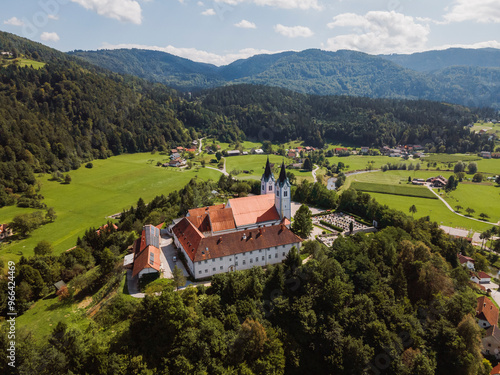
[
  {"x": 267, "y": 181},
  {"x": 282, "y": 198}
]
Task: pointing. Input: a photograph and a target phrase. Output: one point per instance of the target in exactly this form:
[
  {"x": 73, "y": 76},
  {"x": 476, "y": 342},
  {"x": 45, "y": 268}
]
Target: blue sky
[{"x": 221, "y": 31}]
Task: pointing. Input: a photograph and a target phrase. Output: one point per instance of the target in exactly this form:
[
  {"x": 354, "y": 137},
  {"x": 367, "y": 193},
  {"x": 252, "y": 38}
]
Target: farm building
[
  {"x": 438, "y": 181},
  {"x": 146, "y": 252}
]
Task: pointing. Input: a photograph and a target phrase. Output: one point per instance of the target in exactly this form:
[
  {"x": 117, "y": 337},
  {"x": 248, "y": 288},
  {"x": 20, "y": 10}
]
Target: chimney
[
  {"x": 223, "y": 205},
  {"x": 220, "y": 240}
]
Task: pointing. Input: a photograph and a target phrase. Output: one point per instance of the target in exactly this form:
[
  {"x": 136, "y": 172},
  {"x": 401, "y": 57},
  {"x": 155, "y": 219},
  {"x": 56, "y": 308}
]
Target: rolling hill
[{"x": 460, "y": 76}]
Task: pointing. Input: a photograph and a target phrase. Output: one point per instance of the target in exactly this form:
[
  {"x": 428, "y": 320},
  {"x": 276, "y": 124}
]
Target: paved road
[
  {"x": 331, "y": 181},
  {"x": 223, "y": 170},
  {"x": 167, "y": 254},
  {"x": 452, "y": 210},
  {"x": 314, "y": 172},
  {"x": 199, "y": 146}
]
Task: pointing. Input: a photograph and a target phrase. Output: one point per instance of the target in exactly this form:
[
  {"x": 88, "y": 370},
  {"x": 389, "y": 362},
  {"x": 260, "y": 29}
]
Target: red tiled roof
[
  {"x": 188, "y": 235},
  {"x": 143, "y": 260},
  {"x": 496, "y": 369},
  {"x": 199, "y": 247},
  {"x": 486, "y": 310},
  {"x": 222, "y": 219},
  {"x": 253, "y": 210},
  {"x": 483, "y": 275},
  {"x": 204, "y": 210},
  {"x": 464, "y": 259},
  {"x": 202, "y": 222}
]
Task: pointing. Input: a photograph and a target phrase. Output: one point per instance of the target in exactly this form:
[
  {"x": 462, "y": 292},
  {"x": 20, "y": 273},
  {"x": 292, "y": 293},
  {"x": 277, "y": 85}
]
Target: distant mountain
[
  {"x": 430, "y": 61},
  {"x": 461, "y": 76}
]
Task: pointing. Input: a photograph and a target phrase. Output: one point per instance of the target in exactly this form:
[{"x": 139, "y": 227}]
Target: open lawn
[
  {"x": 406, "y": 190},
  {"x": 488, "y": 126},
  {"x": 255, "y": 164},
  {"x": 434, "y": 208},
  {"x": 109, "y": 187},
  {"x": 450, "y": 158},
  {"x": 482, "y": 198},
  {"x": 360, "y": 162},
  {"x": 22, "y": 62}
]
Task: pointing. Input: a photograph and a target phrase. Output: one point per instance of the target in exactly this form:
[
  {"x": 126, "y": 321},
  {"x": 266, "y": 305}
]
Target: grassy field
[
  {"x": 482, "y": 198},
  {"x": 22, "y": 62},
  {"x": 360, "y": 162},
  {"x": 406, "y": 190},
  {"x": 434, "y": 208},
  {"x": 450, "y": 158},
  {"x": 488, "y": 126},
  {"x": 109, "y": 187}
]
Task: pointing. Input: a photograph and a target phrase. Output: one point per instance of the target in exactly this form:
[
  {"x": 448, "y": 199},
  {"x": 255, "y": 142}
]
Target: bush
[
  {"x": 327, "y": 224},
  {"x": 89, "y": 165}
]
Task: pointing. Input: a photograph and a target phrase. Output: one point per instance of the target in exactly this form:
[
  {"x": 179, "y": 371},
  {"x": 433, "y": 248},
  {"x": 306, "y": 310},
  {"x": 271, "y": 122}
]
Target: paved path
[
  {"x": 331, "y": 181},
  {"x": 223, "y": 170},
  {"x": 199, "y": 146},
  {"x": 133, "y": 286},
  {"x": 452, "y": 210},
  {"x": 314, "y": 172}
]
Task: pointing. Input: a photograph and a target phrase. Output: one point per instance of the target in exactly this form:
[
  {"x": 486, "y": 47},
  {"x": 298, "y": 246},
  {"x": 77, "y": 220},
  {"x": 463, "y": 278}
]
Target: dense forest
[
  {"x": 278, "y": 115},
  {"x": 394, "y": 302},
  {"x": 434, "y": 75}
]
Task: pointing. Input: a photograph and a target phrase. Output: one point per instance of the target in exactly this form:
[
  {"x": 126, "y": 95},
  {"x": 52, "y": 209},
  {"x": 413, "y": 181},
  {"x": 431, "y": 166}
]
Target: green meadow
[
  {"x": 94, "y": 194},
  {"x": 433, "y": 208},
  {"x": 22, "y": 62},
  {"x": 482, "y": 198},
  {"x": 406, "y": 190}
]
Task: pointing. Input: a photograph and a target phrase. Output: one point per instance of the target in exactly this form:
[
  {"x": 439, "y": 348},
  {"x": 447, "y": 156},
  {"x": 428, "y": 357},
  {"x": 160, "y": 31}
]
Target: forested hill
[
  {"x": 68, "y": 111},
  {"x": 279, "y": 115},
  {"x": 434, "y": 75}
]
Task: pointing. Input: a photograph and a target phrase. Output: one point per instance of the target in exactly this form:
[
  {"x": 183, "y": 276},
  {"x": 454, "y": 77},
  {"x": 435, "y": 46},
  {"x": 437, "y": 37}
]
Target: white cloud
[
  {"x": 208, "y": 12},
  {"x": 293, "y": 31},
  {"x": 122, "y": 10},
  {"x": 244, "y": 24},
  {"x": 14, "y": 21},
  {"x": 53, "y": 17},
  {"x": 487, "y": 44},
  {"x": 284, "y": 4},
  {"x": 200, "y": 3},
  {"x": 49, "y": 37},
  {"x": 483, "y": 11},
  {"x": 196, "y": 54},
  {"x": 379, "y": 32}
]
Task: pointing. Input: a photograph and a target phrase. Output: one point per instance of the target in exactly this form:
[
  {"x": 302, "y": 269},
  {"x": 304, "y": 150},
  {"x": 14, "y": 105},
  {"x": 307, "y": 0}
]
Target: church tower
[
  {"x": 282, "y": 198},
  {"x": 267, "y": 181}
]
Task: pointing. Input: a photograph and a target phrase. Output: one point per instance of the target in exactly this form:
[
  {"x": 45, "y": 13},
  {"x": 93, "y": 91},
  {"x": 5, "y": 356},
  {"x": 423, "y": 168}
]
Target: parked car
[{"x": 174, "y": 258}]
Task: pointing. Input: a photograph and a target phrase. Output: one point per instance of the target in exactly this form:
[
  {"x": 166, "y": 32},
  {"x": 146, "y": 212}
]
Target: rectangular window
[
  {"x": 283, "y": 254},
  {"x": 256, "y": 259},
  {"x": 213, "y": 260},
  {"x": 206, "y": 261},
  {"x": 213, "y": 269},
  {"x": 251, "y": 260},
  {"x": 250, "y": 253},
  {"x": 285, "y": 193},
  {"x": 236, "y": 257},
  {"x": 230, "y": 259},
  {"x": 221, "y": 268},
  {"x": 277, "y": 193},
  {"x": 263, "y": 258},
  {"x": 199, "y": 271},
  {"x": 236, "y": 263},
  {"x": 206, "y": 271},
  {"x": 270, "y": 187},
  {"x": 260, "y": 250},
  {"x": 244, "y": 261},
  {"x": 220, "y": 259},
  {"x": 276, "y": 255},
  {"x": 269, "y": 256}
]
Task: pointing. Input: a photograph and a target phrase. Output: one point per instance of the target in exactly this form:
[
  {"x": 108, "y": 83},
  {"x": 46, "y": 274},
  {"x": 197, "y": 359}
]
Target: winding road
[{"x": 223, "y": 170}]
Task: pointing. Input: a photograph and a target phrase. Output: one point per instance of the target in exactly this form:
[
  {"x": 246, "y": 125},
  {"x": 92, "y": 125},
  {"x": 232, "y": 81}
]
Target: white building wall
[{"x": 242, "y": 261}]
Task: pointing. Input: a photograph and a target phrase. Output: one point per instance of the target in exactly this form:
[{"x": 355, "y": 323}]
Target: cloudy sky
[{"x": 221, "y": 31}]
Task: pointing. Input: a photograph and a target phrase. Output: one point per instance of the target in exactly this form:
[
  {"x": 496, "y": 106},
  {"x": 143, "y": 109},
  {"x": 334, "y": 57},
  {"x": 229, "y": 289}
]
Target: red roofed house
[
  {"x": 147, "y": 252},
  {"x": 247, "y": 232},
  {"x": 466, "y": 261},
  {"x": 496, "y": 369},
  {"x": 5, "y": 231},
  {"x": 486, "y": 312}
]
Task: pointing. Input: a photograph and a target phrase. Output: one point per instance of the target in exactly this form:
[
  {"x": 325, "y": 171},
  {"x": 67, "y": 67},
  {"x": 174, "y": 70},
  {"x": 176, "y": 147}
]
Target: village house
[
  {"x": 178, "y": 162},
  {"x": 249, "y": 231},
  {"x": 438, "y": 181},
  {"x": 365, "y": 150},
  {"x": 146, "y": 252},
  {"x": 466, "y": 261},
  {"x": 480, "y": 277},
  {"x": 233, "y": 152},
  {"x": 491, "y": 344},
  {"x": 486, "y": 154},
  {"x": 418, "y": 181},
  {"x": 486, "y": 312},
  {"x": 5, "y": 231}
]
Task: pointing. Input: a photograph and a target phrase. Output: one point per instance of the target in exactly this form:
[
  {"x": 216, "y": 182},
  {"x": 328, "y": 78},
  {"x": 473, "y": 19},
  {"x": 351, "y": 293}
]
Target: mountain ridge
[{"x": 431, "y": 75}]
